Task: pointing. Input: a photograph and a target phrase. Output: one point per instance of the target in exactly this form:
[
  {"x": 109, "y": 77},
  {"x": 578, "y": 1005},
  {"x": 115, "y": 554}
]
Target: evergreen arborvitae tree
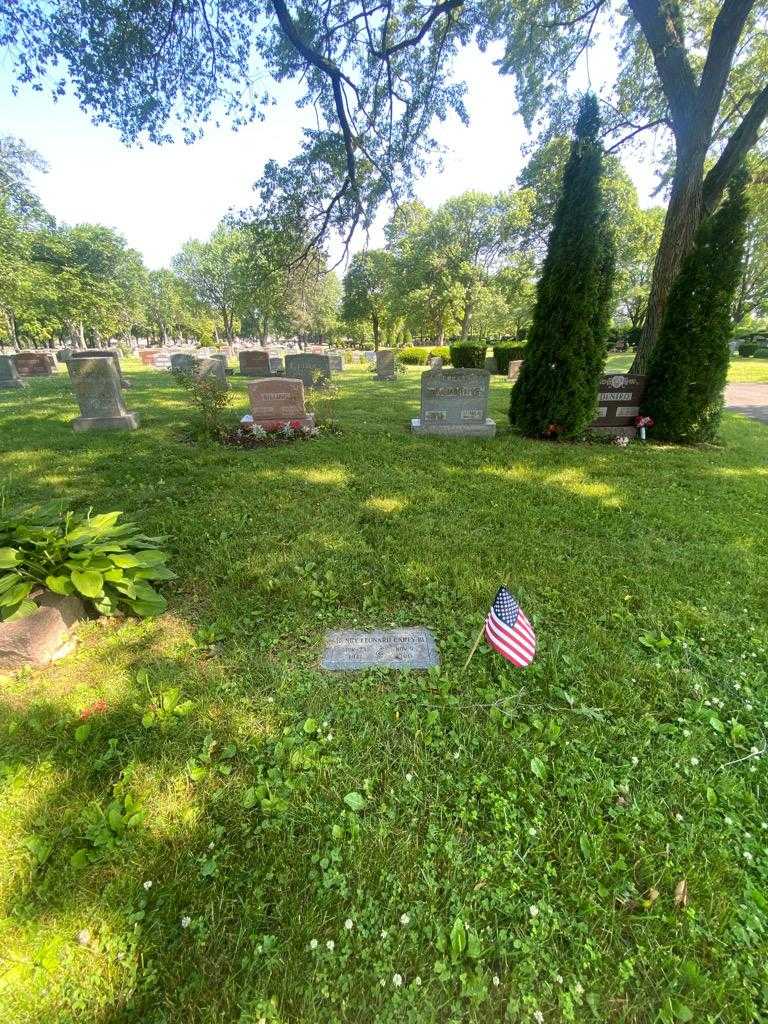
[
  {"x": 567, "y": 344},
  {"x": 689, "y": 365}
]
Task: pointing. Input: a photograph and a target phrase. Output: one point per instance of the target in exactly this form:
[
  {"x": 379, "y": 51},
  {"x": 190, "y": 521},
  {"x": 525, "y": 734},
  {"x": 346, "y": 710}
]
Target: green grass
[
  {"x": 740, "y": 371},
  {"x": 587, "y": 787}
]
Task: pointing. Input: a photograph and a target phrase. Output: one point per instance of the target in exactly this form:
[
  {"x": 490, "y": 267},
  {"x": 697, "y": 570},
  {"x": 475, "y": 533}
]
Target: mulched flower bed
[{"x": 249, "y": 435}]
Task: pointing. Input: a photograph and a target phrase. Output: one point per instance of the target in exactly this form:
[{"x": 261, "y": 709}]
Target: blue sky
[{"x": 159, "y": 196}]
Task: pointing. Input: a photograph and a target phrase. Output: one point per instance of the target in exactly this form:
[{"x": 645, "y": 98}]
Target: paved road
[{"x": 749, "y": 399}]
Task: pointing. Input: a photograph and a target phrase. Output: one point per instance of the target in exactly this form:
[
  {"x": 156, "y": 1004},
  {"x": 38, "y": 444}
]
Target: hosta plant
[{"x": 112, "y": 565}]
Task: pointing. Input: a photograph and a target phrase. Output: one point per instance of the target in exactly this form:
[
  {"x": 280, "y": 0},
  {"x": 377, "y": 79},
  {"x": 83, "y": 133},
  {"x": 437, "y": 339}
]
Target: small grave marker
[{"x": 352, "y": 650}]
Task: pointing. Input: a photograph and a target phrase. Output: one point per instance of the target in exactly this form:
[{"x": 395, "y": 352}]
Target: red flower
[
  {"x": 97, "y": 708},
  {"x": 643, "y": 421}
]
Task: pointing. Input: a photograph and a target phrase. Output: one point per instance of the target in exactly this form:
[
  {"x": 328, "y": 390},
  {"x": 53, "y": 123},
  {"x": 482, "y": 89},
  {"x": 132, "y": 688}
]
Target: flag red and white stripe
[{"x": 508, "y": 630}]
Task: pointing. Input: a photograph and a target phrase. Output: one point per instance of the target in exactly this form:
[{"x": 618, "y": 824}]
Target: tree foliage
[
  {"x": 690, "y": 362},
  {"x": 557, "y": 387}
]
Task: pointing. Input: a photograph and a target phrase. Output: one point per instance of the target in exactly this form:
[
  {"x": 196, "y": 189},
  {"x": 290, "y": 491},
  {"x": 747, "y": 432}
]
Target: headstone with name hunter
[
  {"x": 385, "y": 364},
  {"x": 34, "y": 364},
  {"x": 96, "y": 384},
  {"x": 277, "y": 401},
  {"x": 306, "y": 366},
  {"x": 9, "y": 375},
  {"x": 618, "y": 403},
  {"x": 254, "y": 363},
  {"x": 352, "y": 650},
  {"x": 454, "y": 403}
]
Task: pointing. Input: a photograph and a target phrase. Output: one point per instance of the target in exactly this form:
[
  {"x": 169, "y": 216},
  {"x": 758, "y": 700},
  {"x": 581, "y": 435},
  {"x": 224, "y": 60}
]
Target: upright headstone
[
  {"x": 96, "y": 384},
  {"x": 336, "y": 361},
  {"x": 34, "y": 364},
  {"x": 306, "y": 366},
  {"x": 223, "y": 359},
  {"x": 513, "y": 370},
  {"x": 435, "y": 362},
  {"x": 254, "y": 363},
  {"x": 211, "y": 368},
  {"x": 275, "y": 402},
  {"x": 162, "y": 360},
  {"x": 369, "y": 357},
  {"x": 63, "y": 355},
  {"x": 491, "y": 365},
  {"x": 385, "y": 364},
  {"x": 618, "y": 403},
  {"x": 147, "y": 355},
  {"x": 9, "y": 375},
  {"x": 454, "y": 403},
  {"x": 183, "y": 362},
  {"x": 276, "y": 365},
  {"x": 102, "y": 353}
]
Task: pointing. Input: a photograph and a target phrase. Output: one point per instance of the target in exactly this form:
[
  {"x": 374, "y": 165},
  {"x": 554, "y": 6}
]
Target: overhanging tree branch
[
  {"x": 442, "y": 8},
  {"x": 737, "y": 147}
]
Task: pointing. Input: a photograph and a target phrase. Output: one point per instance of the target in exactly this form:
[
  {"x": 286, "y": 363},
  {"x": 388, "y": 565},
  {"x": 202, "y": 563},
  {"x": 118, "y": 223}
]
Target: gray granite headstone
[
  {"x": 223, "y": 359},
  {"x": 205, "y": 368},
  {"x": 9, "y": 375},
  {"x": 352, "y": 650},
  {"x": 276, "y": 365},
  {"x": 63, "y": 355},
  {"x": 385, "y": 364},
  {"x": 306, "y": 366},
  {"x": 336, "y": 360},
  {"x": 183, "y": 362},
  {"x": 101, "y": 353},
  {"x": 254, "y": 363},
  {"x": 369, "y": 356},
  {"x": 96, "y": 384},
  {"x": 454, "y": 403}
]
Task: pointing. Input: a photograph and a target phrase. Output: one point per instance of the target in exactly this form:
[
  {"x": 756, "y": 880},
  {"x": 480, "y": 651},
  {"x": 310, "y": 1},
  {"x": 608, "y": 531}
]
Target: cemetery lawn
[
  {"x": 740, "y": 371},
  {"x": 586, "y": 840}
]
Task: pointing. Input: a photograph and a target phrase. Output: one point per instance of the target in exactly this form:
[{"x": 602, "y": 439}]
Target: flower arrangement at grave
[
  {"x": 255, "y": 435},
  {"x": 643, "y": 423}
]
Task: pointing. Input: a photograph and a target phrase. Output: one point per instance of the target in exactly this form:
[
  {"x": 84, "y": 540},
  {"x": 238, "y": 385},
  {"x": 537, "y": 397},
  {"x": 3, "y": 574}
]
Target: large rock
[{"x": 42, "y": 637}]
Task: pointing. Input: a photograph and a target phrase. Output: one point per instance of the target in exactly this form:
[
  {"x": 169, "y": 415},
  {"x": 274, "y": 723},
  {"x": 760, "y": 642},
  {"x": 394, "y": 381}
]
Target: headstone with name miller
[
  {"x": 618, "y": 403},
  {"x": 277, "y": 401},
  {"x": 352, "y": 650},
  {"x": 9, "y": 375},
  {"x": 306, "y": 366},
  {"x": 385, "y": 364},
  {"x": 513, "y": 370},
  {"x": 454, "y": 403},
  {"x": 254, "y": 363},
  {"x": 96, "y": 384},
  {"x": 34, "y": 364}
]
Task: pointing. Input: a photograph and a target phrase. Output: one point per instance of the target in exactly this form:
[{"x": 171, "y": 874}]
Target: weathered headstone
[
  {"x": 336, "y": 361},
  {"x": 223, "y": 359},
  {"x": 34, "y": 364},
  {"x": 513, "y": 370},
  {"x": 214, "y": 368},
  {"x": 306, "y": 366},
  {"x": 276, "y": 365},
  {"x": 454, "y": 403},
  {"x": 183, "y": 362},
  {"x": 435, "y": 362},
  {"x": 161, "y": 360},
  {"x": 385, "y": 364},
  {"x": 147, "y": 355},
  {"x": 254, "y": 363},
  {"x": 96, "y": 384},
  {"x": 63, "y": 355},
  {"x": 351, "y": 650},
  {"x": 9, "y": 375},
  {"x": 369, "y": 356},
  {"x": 491, "y": 365},
  {"x": 102, "y": 353},
  {"x": 275, "y": 402},
  {"x": 618, "y": 403}
]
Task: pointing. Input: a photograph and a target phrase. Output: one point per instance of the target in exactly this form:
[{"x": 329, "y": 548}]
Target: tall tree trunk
[
  {"x": 81, "y": 334},
  {"x": 375, "y": 322},
  {"x": 680, "y": 225},
  {"x": 469, "y": 304}
]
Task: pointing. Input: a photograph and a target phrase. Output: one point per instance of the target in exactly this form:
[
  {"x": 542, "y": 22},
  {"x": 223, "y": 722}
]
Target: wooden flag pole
[{"x": 474, "y": 646}]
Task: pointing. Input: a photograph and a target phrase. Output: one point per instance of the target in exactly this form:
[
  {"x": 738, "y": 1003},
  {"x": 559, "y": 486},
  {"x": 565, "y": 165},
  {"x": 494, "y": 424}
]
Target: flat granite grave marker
[
  {"x": 96, "y": 384},
  {"x": 9, "y": 375},
  {"x": 306, "y": 366},
  {"x": 34, "y": 364},
  {"x": 385, "y": 364},
  {"x": 618, "y": 403},
  {"x": 275, "y": 402},
  {"x": 352, "y": 650},
  {"x": 254, "y": 363},
  {"x": 454, "y": 403}
]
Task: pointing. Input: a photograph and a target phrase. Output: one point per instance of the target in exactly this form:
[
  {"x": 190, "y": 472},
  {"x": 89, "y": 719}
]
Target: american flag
[{"x": 508, "y": 631}]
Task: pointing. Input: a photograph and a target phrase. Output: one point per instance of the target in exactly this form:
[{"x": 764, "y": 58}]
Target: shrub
[
  {"x": 748, "y": 348},
  {"x": 209, "y": 398},
  {"x": 505, "y": 353},
  {"x": 556, "y": 392},
  {"x": 106, "y": 563},
  {"x": 762, "y": 353},
  {"x": 413, "y": 356},
  {"x": 689, "y": 363},
  {"x": 469, "y": 354},
  {"x": 441, "y": 352}
]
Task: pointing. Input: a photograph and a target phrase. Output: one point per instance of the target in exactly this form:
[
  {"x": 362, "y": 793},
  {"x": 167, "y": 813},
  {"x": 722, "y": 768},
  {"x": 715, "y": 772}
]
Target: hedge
[
  {"x": 469, "y": 355},
  {"x": 413, "y": 356},
  {"x": 749, "y": 348},
  {"x": 762, "y": 353},
  {"x": 504, "y": 354}
]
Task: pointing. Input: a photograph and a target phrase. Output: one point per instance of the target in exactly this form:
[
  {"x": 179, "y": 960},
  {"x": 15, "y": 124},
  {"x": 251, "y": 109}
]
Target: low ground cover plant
[{"x": 111, "y": 565}]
